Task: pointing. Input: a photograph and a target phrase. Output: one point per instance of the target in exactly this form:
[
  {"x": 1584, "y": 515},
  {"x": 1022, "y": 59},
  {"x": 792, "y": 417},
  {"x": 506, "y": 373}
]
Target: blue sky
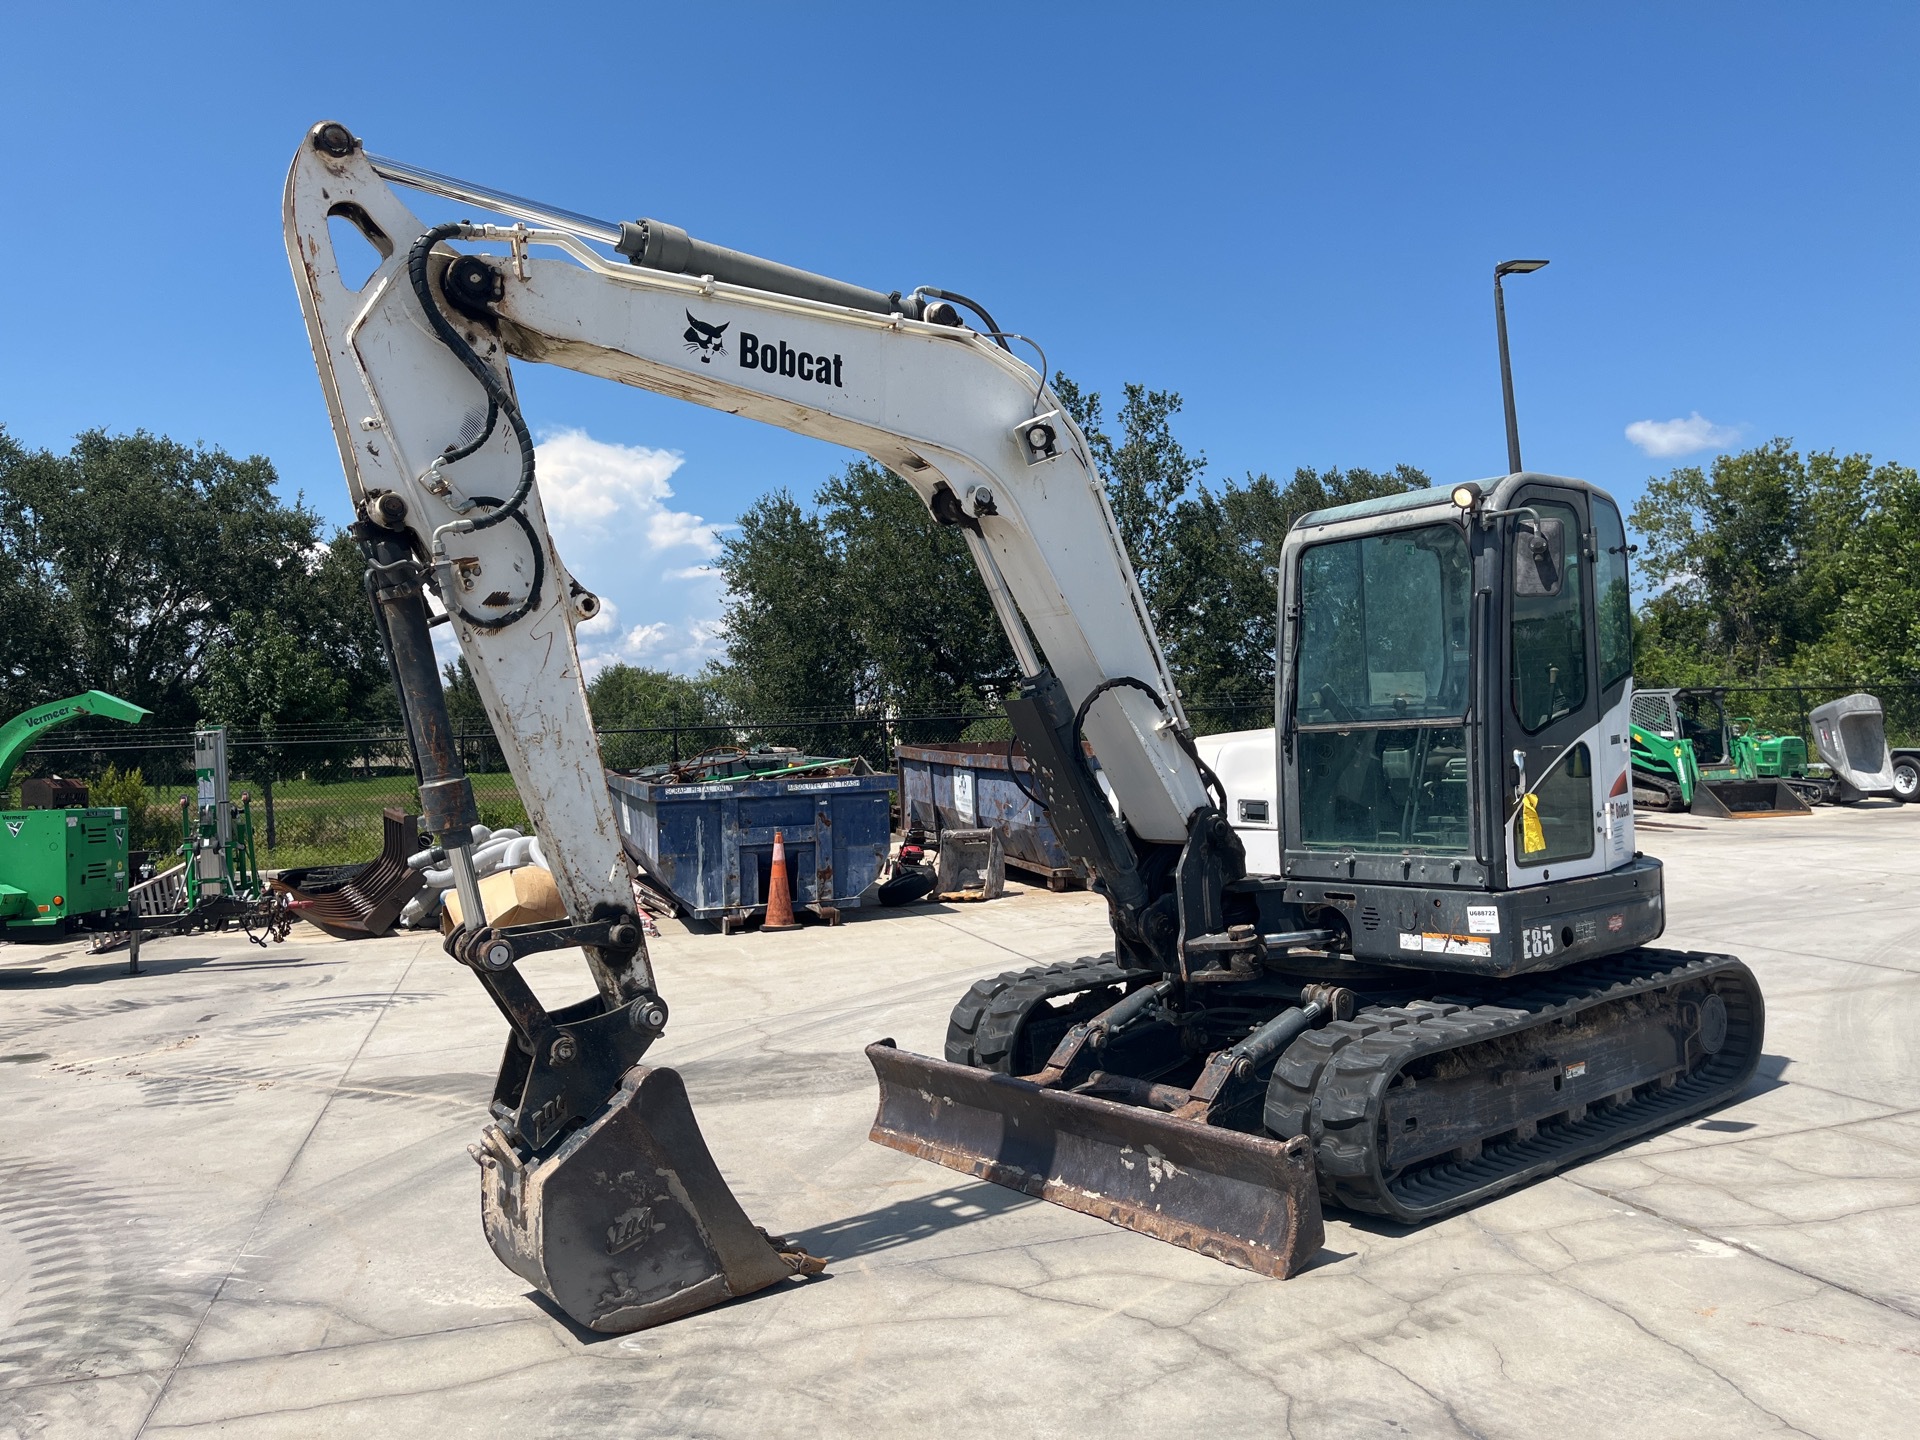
[{"x": 1287, "y": 213}]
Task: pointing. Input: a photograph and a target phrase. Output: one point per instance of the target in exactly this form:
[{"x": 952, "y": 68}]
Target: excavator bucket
[
  {"x": 1746, "y": 799},
  {"x": 628, "y": 1224},
  {"x": 1245, "y": 1199}
]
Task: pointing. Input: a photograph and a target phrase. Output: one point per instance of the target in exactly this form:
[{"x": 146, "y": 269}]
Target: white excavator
[{"x": 1442, "y": 989}]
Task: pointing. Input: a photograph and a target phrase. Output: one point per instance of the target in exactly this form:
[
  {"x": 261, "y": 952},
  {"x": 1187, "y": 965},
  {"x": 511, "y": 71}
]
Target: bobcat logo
[
  {"x": 14, "y": 827},
  {"x": 704, "y": 339}
]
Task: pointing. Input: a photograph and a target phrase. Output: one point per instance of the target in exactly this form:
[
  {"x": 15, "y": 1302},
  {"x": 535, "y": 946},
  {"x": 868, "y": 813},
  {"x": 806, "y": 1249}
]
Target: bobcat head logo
[
  {"x": 704, "y": 339},
  {"x": 14, "y": 827}
]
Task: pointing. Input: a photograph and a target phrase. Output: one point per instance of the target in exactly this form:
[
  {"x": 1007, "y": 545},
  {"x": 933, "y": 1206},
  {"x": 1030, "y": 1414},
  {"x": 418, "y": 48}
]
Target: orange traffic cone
[{"x": 779, "y": 892}]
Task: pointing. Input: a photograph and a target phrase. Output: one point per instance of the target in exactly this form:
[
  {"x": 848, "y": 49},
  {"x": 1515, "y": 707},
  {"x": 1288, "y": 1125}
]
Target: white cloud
[
  {"x": 693, "y": 572},
  {"x": 1663, "y": 438},
  {"x": 593, "y": 490},
  {"x": 684, "y": 647}
]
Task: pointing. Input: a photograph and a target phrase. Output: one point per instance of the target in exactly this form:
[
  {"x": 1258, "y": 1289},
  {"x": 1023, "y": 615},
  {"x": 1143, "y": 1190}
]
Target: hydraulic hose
[
  {"x": 499, "y": 402},
  {"x": 1185, "y": 741}
]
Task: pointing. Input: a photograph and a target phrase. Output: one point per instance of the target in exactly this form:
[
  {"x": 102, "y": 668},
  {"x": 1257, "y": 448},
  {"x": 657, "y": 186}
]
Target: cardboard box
[{"x": 512, "y": 897}]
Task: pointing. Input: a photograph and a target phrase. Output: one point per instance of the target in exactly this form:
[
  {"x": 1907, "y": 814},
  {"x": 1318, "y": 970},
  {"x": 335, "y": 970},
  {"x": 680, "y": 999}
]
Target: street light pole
[{"x": 1509, "y": 267}]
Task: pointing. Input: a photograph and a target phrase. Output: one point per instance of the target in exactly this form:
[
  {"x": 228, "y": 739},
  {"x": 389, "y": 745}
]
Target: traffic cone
[{"x": 779, "y": 892}]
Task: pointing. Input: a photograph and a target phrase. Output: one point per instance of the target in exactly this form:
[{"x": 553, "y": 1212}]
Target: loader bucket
[
  {"x": 972, "y": 865},
  {"x": 628, "y": 1224},
  {"x": 1851, "y": 736},
  {"x": 1245, "y": 1199},
  {"x": 1746, "y": 799}
]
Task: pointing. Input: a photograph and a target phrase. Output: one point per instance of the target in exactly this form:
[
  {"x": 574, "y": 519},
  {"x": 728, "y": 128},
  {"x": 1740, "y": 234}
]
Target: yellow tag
[{"x": 1532, "y": 839}]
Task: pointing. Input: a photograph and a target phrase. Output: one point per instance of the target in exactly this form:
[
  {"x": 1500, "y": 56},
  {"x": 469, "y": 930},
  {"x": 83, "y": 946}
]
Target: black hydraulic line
[
  {"x": 480, "y": 622},
  {"x": 489, "y": 382},
  {"x": 461, "y": 452},
  {"x": 1019, "y": 784},
  {"x": 993, "y": 328},
  {"x": 499, "y": 402},
  {"x": 1184, "y": 740}
]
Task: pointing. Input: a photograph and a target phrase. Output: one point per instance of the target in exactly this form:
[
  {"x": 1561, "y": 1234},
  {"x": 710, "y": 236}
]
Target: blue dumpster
[
  {"x": 709, "y": 842},
  {"x": 963, "y": 786}
]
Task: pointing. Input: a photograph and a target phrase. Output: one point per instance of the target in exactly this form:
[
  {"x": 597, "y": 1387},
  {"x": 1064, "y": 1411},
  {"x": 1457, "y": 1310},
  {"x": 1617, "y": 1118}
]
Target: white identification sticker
[
  {"x": 1434, "y": 943},
  {"x": 1484, "y": 919},
  {"x": 963, "y": 796},
  {"x": 1576, "y": 1069}
]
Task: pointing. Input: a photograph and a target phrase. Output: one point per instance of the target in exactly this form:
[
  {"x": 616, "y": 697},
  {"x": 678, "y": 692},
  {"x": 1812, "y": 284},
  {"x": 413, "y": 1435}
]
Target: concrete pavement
[{"x": 235, "y": 1200}]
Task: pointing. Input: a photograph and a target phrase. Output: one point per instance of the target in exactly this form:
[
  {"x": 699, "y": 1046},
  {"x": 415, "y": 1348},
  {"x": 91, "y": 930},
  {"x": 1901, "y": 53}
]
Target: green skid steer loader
[{"x": 1688, "y": 756}]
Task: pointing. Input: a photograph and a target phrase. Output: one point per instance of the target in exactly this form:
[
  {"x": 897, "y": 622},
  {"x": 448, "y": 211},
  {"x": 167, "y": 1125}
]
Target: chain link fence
[
  {"x": 316, "y": 796},
  {"x": 1783, "y": 709}
]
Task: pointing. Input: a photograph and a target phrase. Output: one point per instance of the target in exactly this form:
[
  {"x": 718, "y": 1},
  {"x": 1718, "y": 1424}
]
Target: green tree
[
  {"x": 275, "y": 688},
  {"x": 674, "y": 710},
  {"x": 1207, "y": 561},
  {"x": 1218, "y": 599},
  {"x": 1773, "y": 564},
  {"x": 328, "y": 604},
  {"x": 128, "y": 560},
  {"x": 1876, "y": 619},
  {"x": 919, "y": 614},
  {"x": 150, "y": 827},
  {"x": 791, "y": 647},
  {"x": 1147, "y": 472}
]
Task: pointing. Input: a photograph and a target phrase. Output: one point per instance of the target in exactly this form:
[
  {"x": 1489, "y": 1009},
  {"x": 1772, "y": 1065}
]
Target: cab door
[{"x": 1555, "y": 752}]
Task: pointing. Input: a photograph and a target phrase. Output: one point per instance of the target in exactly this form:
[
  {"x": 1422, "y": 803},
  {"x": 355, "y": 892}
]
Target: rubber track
[
  {"x": 1332, "y": 1082},
  {"x": 1650, "y": 786},
  {"x": 985, "y": 1025}
]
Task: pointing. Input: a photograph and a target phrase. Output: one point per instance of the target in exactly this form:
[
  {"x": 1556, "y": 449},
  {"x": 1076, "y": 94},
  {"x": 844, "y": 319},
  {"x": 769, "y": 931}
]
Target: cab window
[
  {"x": 1549, "y": 633},
  {"x": 1611, "y": 601}
]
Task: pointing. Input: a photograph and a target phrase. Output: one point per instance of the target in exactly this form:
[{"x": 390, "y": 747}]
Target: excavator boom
[{"x": 441, "y": 466}]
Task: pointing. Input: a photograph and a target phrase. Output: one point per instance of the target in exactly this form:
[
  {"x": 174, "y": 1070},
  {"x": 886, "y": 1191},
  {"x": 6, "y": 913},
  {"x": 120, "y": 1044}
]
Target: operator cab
[{"x": 1453, "y": 693}]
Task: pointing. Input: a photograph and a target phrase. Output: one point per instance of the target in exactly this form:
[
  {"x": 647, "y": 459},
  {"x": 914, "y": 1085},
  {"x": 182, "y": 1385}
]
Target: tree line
[
  {"x": 862, "y": 602},
  {"x": 175, "y": 576}
]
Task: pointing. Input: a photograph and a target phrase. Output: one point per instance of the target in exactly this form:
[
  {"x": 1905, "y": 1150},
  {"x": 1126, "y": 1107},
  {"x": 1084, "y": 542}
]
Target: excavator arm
[{"x": 440, "y": 462}]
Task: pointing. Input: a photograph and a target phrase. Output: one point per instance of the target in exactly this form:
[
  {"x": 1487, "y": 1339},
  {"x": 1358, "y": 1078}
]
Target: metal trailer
[
  {"x": 1906, "y": 774},
  {"x": 708, "y": 844},
  {"x": 986, "y": 784}
]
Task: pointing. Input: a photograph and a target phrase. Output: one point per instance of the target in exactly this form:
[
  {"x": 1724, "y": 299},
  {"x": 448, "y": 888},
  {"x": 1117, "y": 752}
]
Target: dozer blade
[
  {"x": 628, "y": 1224},
  {"x": 1244, "y": 1199},
  {"x": 1746, "y": 799}
]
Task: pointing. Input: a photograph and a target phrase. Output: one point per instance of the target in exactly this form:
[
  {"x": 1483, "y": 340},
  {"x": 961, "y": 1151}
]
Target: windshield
[{"x": 1383, "y": 628}]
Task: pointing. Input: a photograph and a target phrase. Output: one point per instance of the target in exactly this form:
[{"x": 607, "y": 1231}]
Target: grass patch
[{"x": 316, "y": 823}]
